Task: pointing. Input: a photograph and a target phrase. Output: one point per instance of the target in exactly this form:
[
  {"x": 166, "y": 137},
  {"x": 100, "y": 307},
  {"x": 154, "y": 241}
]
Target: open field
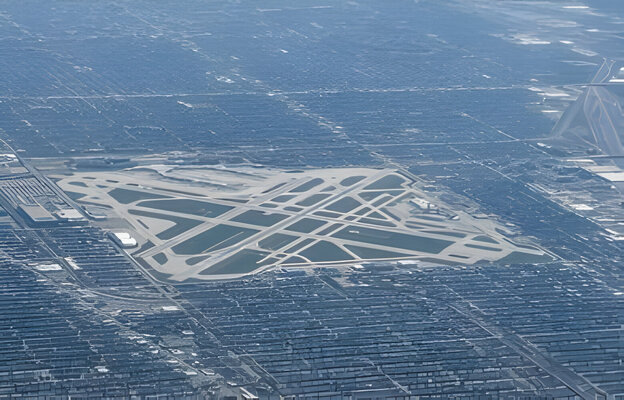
[{"x": 215, "y": 223}]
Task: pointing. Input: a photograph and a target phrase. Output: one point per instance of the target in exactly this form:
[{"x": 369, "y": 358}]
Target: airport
[{"x": 217, "y": 223}]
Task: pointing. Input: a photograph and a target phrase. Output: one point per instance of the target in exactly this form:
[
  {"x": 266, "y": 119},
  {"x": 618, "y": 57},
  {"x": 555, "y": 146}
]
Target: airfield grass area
[{"x": 197, "y": 222}]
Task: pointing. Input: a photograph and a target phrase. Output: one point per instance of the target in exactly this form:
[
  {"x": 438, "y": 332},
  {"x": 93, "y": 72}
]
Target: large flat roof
[{"x": 37, "y": 213}]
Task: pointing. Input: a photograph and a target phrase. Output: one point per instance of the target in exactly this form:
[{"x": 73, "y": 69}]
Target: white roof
[
  {"x": 122, "y": 235},
  {"x": 128, "y": 241}
]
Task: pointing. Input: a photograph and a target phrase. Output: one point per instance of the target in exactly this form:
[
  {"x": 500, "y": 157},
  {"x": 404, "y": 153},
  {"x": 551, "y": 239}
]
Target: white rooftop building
[{"x": 123, "y": 239}]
